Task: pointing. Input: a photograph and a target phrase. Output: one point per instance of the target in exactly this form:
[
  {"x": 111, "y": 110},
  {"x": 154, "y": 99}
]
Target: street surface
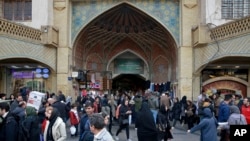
[{"x": 179, "y": 134}]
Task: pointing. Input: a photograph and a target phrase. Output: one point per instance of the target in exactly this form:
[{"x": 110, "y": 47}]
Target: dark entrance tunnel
[{"x": 126, "y": 82}]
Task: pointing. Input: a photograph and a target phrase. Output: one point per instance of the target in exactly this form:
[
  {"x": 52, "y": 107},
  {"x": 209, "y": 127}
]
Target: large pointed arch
[{"x": 123, "y": 28}]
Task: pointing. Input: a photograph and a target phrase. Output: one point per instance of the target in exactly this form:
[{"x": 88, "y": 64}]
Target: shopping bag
[
  {"x": 129, "y": 119},
  {"x": 72, "y": 130}
]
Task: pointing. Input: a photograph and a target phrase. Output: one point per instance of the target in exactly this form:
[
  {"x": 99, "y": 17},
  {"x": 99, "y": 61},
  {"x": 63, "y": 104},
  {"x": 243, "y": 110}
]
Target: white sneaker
[
  {"x": 116, "y": 138},
  {"x": 129, "y": 140},
  {"x": 172, "y": 127}
]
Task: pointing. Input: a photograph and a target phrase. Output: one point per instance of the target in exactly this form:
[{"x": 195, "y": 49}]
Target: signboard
[
  {"x": 131, "y": 66},
  {"x": 35, "y": 99},
  {"x": 31, "y": 74}
]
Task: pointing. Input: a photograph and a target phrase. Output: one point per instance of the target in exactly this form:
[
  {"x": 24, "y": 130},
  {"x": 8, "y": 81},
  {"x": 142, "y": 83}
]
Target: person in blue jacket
[
  {"x": 208, "y": 126},
  {"x": 224, "y": 113}
]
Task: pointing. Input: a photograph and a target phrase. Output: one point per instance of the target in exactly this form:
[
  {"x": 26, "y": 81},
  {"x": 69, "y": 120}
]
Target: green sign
[{"x": 131, "y": 66}]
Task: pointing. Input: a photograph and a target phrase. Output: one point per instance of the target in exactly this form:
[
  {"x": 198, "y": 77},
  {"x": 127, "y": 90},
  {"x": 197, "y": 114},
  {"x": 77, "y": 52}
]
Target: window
[
  {"x": 17, "y": 10},
  {"x": 235, "y": 9}
]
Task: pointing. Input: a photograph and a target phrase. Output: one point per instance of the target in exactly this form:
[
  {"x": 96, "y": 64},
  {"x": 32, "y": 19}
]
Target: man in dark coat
[
  {"x": 60, "y": 106},
  {"x": 8, "y": 124}
]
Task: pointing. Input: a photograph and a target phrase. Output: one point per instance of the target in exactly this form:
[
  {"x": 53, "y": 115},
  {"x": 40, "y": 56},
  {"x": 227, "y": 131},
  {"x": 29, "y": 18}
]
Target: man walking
[
  {"x": 97, "y": 127},
  {"x": 85, "y": 133}
]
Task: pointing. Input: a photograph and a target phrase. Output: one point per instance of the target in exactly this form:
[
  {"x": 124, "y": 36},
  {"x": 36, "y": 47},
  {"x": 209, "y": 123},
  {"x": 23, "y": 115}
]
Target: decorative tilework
[{"x": 164, "y": 11}]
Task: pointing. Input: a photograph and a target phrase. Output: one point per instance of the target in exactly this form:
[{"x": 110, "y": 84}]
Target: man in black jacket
[{"x": 8, "y": 124}]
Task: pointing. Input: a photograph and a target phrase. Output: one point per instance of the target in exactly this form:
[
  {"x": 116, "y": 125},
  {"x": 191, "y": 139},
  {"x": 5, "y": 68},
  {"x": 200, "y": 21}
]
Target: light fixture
[
  {"x": 218, "y": 66},
  {"x": 26, "y": 66},
  {"x": 237, "y": 66},
  {"x": 211, "y": 76},
  {"x": 14, "y": 67}
]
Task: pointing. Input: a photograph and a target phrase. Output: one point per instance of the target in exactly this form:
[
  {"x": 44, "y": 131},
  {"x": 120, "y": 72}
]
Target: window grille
[
  {"x": 235, "y": 9},
  {"x": 17, "y": 10}
]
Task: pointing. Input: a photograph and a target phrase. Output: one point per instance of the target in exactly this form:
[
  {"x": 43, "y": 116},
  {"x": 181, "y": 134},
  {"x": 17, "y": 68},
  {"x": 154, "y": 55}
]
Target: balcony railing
[
  {"x": 48, "y": 35},
  {"x": 231, "y": 29},
  {"x": 15, "y": 30}
]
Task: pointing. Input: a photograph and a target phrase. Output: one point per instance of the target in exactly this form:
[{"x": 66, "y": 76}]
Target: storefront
[{"x": 24, "y": 80}]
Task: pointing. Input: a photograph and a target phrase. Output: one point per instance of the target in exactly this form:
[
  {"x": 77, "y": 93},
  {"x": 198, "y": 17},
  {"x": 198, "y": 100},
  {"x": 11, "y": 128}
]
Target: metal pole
[{"x": 86, "y": 79}]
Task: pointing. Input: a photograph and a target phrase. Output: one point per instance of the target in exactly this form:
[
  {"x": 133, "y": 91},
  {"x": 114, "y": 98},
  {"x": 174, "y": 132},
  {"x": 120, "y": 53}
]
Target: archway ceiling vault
[{"x": 122, "y": 22}]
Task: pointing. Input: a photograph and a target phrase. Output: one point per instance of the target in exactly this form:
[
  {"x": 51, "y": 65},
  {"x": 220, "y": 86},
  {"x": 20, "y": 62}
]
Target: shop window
[
  {"x": 212, "y": 73},
  {"x": 17, "y": 10},
  {"x": 235, "y": 9}
]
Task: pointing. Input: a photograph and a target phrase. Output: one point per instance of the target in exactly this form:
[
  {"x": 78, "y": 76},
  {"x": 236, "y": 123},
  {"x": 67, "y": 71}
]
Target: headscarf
[
  {"x": 146, "y": 120},
  {"x": 30, "y": 111},
  {"x": 52, "y": 119},
  {"x": 234, "y": 109},
  {"x": 184, "y": 99}
]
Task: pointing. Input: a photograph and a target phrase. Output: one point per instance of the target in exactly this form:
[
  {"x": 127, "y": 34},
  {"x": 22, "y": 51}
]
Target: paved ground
[{"x": 179, "y": 134}]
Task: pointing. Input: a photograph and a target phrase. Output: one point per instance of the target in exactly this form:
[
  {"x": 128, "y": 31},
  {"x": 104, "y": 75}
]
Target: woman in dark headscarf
[
  {"x": 146, "y": 128},
  {"x": 163, "y": 125},
  {"x": 31, "y": 124},
  {"x": 183, "y": 107},
  {"x": 55, "y": 129}
]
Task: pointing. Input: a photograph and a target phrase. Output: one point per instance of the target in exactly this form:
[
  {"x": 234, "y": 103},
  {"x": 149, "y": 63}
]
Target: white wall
[
  {"x": 42, "y": 14},
  {"x": 212, "y": 12}
]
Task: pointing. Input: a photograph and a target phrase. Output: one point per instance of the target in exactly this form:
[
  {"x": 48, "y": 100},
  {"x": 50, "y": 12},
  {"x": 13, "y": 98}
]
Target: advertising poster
[{"x": 35, "y": 99}]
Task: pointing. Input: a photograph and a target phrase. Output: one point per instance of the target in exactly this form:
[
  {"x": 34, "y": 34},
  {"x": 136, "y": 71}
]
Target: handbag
[
  {"x": 190, "y": 113},
  {"x": 125, "y": 121}
]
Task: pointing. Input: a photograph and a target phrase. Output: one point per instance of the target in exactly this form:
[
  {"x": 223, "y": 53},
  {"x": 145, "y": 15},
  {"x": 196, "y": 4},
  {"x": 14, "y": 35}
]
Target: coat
[
  {"x": 176, "y": 110},
  {"x": 208, "y": 126},
  {"x": 74, "y": 120},
  {"x": 58, "y": 130},
  {"x": 8, "y": 129},
  {"x": 103, "y": 135}
]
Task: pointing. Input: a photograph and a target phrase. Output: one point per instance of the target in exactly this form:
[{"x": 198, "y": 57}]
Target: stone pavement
[{"x": 179, "y": 134}]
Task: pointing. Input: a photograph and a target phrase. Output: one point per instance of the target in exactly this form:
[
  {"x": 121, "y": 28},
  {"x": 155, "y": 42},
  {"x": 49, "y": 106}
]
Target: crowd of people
[{"x": 91, "y": 117}]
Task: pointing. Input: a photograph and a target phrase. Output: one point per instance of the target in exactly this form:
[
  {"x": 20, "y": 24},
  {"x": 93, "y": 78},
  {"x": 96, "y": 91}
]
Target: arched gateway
[{"x": 128, "y": 44}]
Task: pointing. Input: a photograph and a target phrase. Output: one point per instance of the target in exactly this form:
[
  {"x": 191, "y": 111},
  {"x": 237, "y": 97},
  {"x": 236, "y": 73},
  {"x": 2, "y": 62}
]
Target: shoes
[
  {"x": 116, "y": 138},
  {"x": 129, "y": 140},
  {"x": 172, "y": 127}
]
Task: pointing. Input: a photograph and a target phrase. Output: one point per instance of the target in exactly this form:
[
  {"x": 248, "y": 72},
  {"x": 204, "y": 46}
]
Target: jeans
[{"x": 154, "y": 114}]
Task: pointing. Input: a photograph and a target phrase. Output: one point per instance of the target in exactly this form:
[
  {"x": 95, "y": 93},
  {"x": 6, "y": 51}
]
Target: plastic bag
[
  {"x": 129, "y": 119},
  {"x": 72, "y": 130}
]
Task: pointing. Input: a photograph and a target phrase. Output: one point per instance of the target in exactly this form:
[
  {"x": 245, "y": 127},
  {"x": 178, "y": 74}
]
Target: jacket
[
  {"x": 103, "y": 135},
  {"x": 208, "y": 126},
  {"x": 8, "y": 129},
  {"x": 58, "y": 130},
  {"x": 246, "y": 112},
  {"x": 73, "y": 119}
]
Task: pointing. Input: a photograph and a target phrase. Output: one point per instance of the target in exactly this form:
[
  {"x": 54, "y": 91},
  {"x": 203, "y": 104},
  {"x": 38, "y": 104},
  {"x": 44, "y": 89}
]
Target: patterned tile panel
[
  {"x": 164, "y": 11},
  {"x": 12, "y": 48}
]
